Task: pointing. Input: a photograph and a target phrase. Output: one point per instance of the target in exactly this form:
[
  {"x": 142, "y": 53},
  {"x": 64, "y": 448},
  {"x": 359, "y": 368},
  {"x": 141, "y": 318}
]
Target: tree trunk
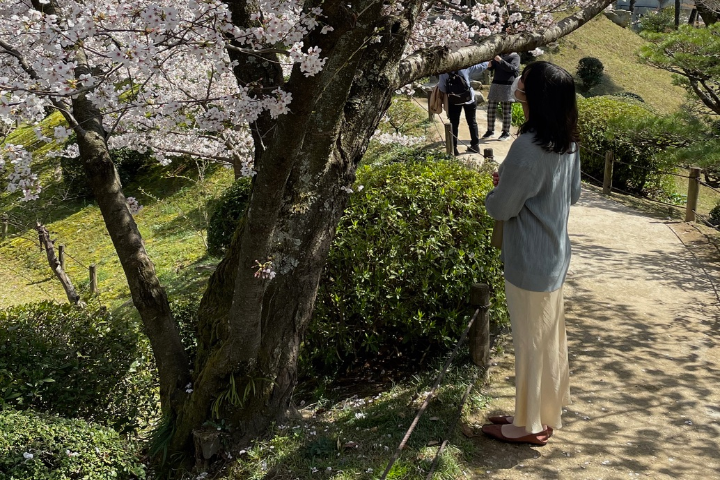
[
  {"x": 707, "y": 12},
  {"x": 294, "y": 209},
  {"x": 148, "y": 296}
]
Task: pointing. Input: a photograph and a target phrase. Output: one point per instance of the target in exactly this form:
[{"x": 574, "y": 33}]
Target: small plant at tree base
[{"x": 590, "y": 72}]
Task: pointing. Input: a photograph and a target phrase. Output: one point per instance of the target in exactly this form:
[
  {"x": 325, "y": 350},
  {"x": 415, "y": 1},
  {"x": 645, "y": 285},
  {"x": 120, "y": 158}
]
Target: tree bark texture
[
  {"x": 708, "y": 11},
  {"x": 147, "y": 294},
  {"x": 250, "y": 329}
]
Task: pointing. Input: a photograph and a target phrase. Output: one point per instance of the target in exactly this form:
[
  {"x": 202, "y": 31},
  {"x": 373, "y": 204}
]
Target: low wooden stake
[
  {"x": 93, "y": 279},
  {"x": 479, "y": 336}
]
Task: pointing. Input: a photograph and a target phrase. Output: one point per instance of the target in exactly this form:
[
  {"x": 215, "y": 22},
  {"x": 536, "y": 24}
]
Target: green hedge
[
  {"x": 406, "y": 251},
  {"x": 619, "y": 125},
  {"x": 230, "y": 208},
  {"x": 76, "y": 363},
  {"x": 36, "y": 446}
]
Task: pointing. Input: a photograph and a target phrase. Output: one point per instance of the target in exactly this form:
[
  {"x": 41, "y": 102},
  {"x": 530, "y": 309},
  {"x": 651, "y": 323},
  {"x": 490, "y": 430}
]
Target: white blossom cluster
[
  {"x": 160, "y": 73},
  {"x": 443, "y": 26},
  {"x": 397, "y": 139},
  {"x": 133, "y": 205}
]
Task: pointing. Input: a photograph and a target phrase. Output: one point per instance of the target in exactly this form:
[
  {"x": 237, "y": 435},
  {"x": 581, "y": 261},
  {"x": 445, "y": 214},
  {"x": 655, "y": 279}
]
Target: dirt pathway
[
  {"x": 643, "y": 321},
  {"x": 500, "y": 149}
]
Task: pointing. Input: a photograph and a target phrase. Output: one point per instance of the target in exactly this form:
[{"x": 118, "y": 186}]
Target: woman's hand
[
  {"x": 498, "y": 58},
  {"x": 495, "y": 178}
]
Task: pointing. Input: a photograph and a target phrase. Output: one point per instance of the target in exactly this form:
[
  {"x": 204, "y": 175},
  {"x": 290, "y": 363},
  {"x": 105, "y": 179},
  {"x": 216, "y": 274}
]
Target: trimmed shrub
[
  {"x": 230, "y": 208},
  {"x": 590, "y": 72},
  {"x": 405, "y": 254},
  {"x": 715, "y": 216},
  {"x": 658, "y": 22},
  {"x": 76, "y": 363},
  {"x": 633, "y": 96},
  {"x": 616, "y": 124},
  {"x": 40, "y": 446}
]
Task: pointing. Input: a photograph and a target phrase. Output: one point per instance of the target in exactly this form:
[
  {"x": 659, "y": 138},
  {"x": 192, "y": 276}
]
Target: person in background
[
  {"x": 506, "y": 68},
  {"x": 534, "y": 188},
  {"x": 469, "y": 106}
]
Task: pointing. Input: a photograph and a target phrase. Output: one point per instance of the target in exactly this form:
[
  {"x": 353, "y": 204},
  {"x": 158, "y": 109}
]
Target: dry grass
[{"x": 616, "y": 48}]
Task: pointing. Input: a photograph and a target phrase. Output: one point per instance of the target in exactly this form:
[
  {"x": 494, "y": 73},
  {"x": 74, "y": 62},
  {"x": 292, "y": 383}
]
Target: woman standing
[
  {"x": 506, "y": 69},
  {"x": 534, "y": 188}
]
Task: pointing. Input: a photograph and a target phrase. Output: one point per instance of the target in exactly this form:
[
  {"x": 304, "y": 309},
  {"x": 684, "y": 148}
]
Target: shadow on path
[{"x": 643, "y": 322}]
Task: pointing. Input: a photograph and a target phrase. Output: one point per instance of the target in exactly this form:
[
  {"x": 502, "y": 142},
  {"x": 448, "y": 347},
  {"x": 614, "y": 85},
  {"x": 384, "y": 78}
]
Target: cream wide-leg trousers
[{"x": 542, "y": 380}]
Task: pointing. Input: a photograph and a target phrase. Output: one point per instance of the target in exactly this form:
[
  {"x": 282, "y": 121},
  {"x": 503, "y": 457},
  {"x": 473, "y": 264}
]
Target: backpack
[{"x": 458, "y": 90}]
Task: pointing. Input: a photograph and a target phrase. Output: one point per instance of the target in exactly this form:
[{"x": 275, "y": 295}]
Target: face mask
[{"x": 514, "y": 88}]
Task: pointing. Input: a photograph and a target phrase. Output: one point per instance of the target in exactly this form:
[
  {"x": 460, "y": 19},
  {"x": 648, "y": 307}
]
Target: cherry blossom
[{"x": 160, "y": 74}]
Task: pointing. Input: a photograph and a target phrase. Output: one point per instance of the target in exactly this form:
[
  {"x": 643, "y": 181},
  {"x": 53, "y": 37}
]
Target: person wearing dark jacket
[
  {"x": 470, "y": 107},
  {"x": 505, "y": 69}
]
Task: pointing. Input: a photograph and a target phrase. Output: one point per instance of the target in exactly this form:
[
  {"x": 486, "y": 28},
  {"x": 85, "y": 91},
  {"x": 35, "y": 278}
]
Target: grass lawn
[
  {"x": 176, "y": 208},
  {"x": 615, "y": 47}
]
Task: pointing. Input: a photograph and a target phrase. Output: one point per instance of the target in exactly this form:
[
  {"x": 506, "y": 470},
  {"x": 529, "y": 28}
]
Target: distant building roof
[{"x": 625, "y": 4}]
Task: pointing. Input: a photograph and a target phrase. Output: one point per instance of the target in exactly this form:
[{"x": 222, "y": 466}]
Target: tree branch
[
  {"x": 440, "y": 59},
  {"x": 55, "y": 266}
]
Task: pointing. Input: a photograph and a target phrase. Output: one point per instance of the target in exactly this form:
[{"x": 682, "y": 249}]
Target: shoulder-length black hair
[{"x": 552, "y": 107}]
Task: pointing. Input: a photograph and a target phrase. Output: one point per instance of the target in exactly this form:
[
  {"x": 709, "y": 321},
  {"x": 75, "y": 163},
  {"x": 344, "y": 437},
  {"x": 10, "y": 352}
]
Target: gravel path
[{"x": 643, "y": 319}]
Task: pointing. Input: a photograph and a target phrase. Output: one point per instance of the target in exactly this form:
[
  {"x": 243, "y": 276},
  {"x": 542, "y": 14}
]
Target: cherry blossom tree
[{"x": 285, "y": 91}]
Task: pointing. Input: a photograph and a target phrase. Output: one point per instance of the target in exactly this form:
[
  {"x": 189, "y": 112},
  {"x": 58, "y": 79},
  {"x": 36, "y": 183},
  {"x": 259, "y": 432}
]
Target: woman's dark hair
[{"x": 550, "y": 93}]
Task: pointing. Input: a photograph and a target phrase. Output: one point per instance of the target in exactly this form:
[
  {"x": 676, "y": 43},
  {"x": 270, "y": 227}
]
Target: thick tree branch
[
  {"x": 704, "y": 96},
  {"x": 439, "y": 60}
]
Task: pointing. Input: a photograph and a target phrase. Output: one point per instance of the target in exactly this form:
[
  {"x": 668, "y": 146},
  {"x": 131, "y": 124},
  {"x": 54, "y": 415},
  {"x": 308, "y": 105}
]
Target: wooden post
[
  {"x": 449, "y": 144},
  {"x": 479, "y": 335},
  {"x": 692, "y": 195},
  {"x": 488, "y": 154},
  {"x": 61, "y": 256},
  {"x": 93, "y": 279},
  {"x": 5, "y": 223},
  {"x": 431, "y": 116},
  {"x": 607, "y": 176}
]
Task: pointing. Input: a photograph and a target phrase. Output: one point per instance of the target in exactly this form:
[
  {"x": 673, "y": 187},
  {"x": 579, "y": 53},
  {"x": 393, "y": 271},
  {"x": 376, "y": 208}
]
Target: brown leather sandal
[
  {"x": 495, "y": 431},
  {"x": 505, "y": 420}
]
